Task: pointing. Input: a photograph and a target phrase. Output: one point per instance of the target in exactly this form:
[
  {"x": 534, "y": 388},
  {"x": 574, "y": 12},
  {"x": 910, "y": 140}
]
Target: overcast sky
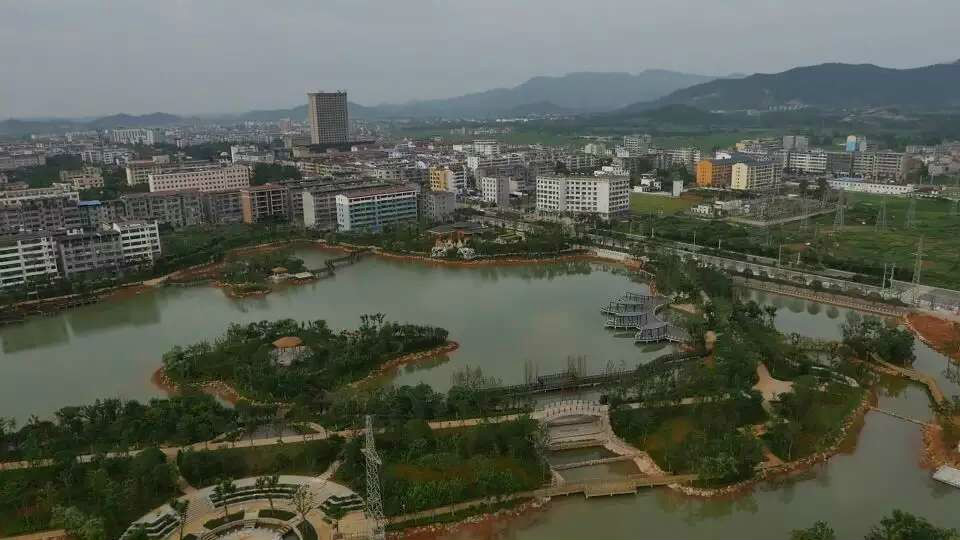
[{"x": 95, "y": 57}]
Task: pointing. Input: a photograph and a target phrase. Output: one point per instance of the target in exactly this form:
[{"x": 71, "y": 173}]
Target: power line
[
  {"x": 881, "y": 223},
  {"x": 838, "y": 216}
]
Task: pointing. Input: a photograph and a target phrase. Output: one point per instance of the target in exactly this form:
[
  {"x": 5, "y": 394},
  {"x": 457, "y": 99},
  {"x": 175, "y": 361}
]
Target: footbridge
[{"x": 567, "y": 380}]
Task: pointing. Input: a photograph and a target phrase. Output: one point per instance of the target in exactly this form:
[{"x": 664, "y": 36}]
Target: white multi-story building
[
  {"x": 605, "y": 196},
  {"x": 250, "y": 154},
  {"x": 108, "y": 156},
  {"x": 371, "y": 209},
  {"x": 496, "y": 189},
  {"x": 137, "y": 136},
  {"x": 439, "y": 205},
  {"x": 855, "y": 184},
  {"x": 486, "y": 147},
  {"x": 809, "y": 162},
  {"x": 799, "y": 143},
  {"x": 756, "y": 175},
  {"x": 27, "y": 257},
  {"x": 493, "y": 162},
  {"x": 879, "y": 165},
  {"x": 677, "y": 157},
  {"x": 637, "y": 145},
  {"x": 139, "y": 241},
  {"x": 209, "y": 178},
  {"x": 15, "y": 160}
]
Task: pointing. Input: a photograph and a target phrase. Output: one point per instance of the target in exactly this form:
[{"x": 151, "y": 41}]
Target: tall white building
[
  {"x": 139, "y": 241},
  {"x": 27, "y": 257},
  {"x": 605, "y": 196},
  {"x": 756, "y": 175},
  {"x": 208, "y": 178},
  {"x": 496, "y": 189},
  {"x": 137, "y": 136},
  {"x": 371, "y": 209},
  {"x": 809, "y": 162},
  {"x": 486, "y": 147},
  {"x": 637, "y": 145}
]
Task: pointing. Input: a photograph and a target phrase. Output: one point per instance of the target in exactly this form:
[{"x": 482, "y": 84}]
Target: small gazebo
[{"x": 287, "y": 349}]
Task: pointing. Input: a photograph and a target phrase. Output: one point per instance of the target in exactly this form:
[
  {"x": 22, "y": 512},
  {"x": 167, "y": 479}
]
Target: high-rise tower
[{"x": 327, "y": 112}]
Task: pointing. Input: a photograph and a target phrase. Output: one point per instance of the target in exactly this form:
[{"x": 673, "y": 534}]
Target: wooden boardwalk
[{"x": 899, "y": 416}]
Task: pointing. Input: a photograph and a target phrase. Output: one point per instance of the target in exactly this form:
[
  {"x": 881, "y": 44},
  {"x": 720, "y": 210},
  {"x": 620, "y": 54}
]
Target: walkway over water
[
  {"x": 639, "y": 311},
  {"x": 566, "y": 380}
]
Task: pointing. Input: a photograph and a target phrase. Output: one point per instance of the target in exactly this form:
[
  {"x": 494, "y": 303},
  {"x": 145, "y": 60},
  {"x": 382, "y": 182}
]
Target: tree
[
  {"x": 267, "y": 484},
  {"x": 180, "y": 506},
  {"x": 303, "y": 500},
  {"x": 222, "y": 491},
  {"x": 78, "y": 524},
  {"x": 819, "y": 531},
  {"x": 901, "y": 525}
]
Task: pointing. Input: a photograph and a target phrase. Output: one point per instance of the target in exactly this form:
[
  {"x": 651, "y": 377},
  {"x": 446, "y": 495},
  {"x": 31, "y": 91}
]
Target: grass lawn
[
  {"x": 650, "y": 204},
  {"x": 859, "y": 240}
]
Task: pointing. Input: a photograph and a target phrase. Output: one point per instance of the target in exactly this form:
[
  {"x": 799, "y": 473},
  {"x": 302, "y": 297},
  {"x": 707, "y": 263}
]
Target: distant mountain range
[
  {"x": 828, "y": 86},
  {"x": 584, "y": 92},
  {"x": 831, "y": 86}
]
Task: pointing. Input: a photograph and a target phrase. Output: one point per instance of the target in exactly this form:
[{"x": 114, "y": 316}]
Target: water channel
[{"x": 502, "y": 317}]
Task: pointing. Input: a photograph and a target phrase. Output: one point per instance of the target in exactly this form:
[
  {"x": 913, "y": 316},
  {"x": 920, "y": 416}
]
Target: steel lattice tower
[
  {"x": 912, "y": 213},
  {"x": 374, "y": 500},
  {"x": 838, "y": 216},
  {"x": 917, "y": 267},
  {"x": 881, "y": 224}
]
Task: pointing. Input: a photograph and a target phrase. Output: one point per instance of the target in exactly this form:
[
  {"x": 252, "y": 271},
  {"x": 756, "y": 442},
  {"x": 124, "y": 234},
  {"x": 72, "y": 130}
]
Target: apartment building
[
  {"x": 716, "y": 173},
  {"x": 496, "y": 190},
  {"x": 222, "y": 207},
  {"x": 486, "y": 147},
  {"x": 809, "y": 162},
  {"x": 209, "y": 178},
  {"x": 97, "y": 214},
  {"x": 15, "y": 160},
  {"x": 858, "y": 185},
  {"x": 886, "y": 166},
  {"x": 269, "y": 202},
  {"x": 373, "y": 208},
  {"x": 438, "y": 205},
  {"x": 452, "y": 178},
  {"x": 27, "y": 257},
  {"x": 107, "y": 156},
  {"x": 99, "y": 251},
  {"x": 637, "y": 145},
  {"x": 174, "y": 208},
  {"x": 85, "y": 178},
  {"x": 687, "y": 158},
  {"x": 755, "y": 175},
  {"x": 146, "y": 136},
  {"x": 317, "y": 206},
  {"x": 36, "y": 210},
  {"x": 605, "y": 196},
  {"x": 139, "y": 242},
  {"x": 250, "y": 154}
]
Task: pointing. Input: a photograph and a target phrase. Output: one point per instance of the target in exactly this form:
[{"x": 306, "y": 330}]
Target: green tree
[
  {"x": 900, "y": 525},
  {"x": 267, "y": 484},
  {"x": 819, "y": 531},
  {"x": 180, "y": 507},
  {"x": 222, "y": 491},
  {"x": 303, "y": 500}
]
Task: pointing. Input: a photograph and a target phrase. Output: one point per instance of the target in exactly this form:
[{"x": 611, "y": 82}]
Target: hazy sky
[{"x": 93, "y": 57}]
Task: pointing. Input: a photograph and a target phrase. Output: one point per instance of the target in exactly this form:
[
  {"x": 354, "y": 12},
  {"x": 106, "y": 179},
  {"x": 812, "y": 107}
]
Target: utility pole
[
  {"x": 917, "y": 267},
  {"x": 779, "y": 255},
  {"x": 374, "y": 500}
]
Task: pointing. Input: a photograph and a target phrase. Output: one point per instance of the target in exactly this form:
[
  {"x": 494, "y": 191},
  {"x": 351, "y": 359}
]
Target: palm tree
[
  {"x": 222, "y": 491},
  {"x": 180, "y": 507},
  {"x": 267, "y": 485}
]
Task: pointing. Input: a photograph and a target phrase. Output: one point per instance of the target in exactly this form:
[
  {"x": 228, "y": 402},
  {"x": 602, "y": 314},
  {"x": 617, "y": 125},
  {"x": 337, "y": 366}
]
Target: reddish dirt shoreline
[{"x": 940, "y": 334}]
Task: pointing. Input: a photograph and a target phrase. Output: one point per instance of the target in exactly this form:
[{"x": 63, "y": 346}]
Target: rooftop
[{"x": 384, "y": 190}]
